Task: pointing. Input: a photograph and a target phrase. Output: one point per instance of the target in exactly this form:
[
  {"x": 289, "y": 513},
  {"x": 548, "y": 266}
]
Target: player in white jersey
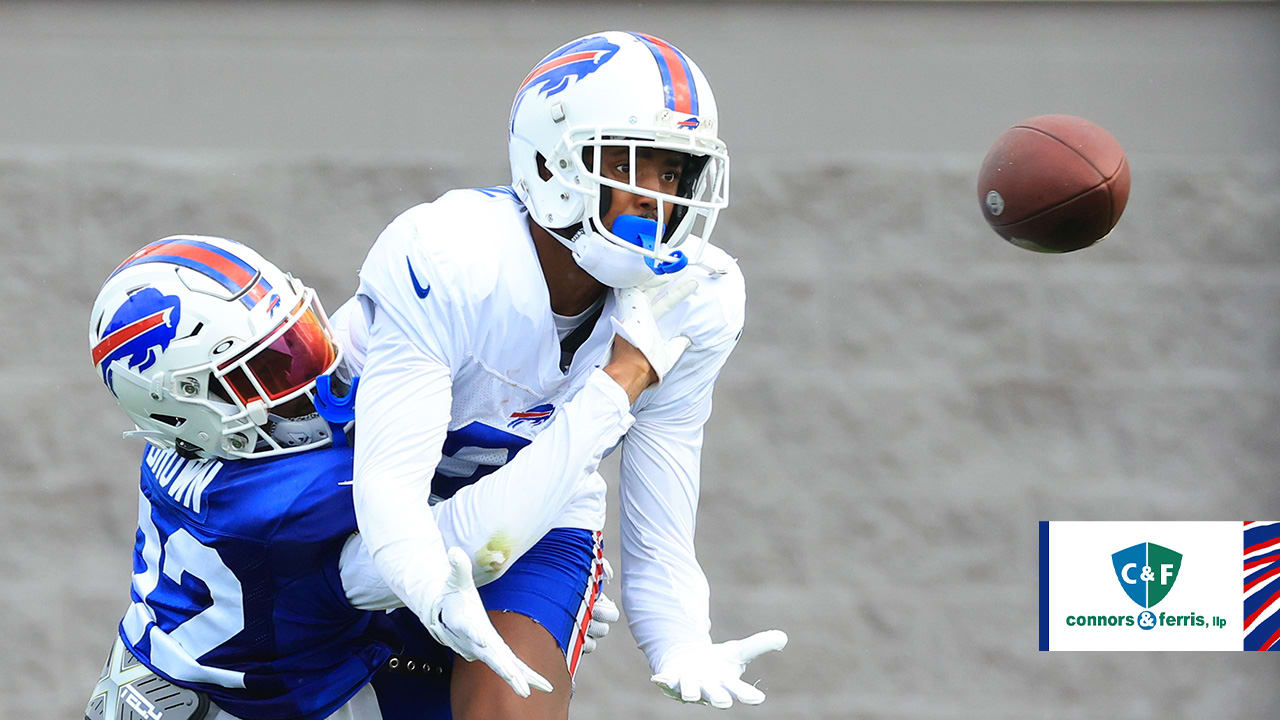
[
  {"x": 479, "y": 314},
  {"x": 249, "y": 585}
]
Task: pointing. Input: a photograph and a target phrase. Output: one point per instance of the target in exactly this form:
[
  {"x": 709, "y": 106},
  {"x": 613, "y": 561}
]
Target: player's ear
[{"x": 543, "y": 171}]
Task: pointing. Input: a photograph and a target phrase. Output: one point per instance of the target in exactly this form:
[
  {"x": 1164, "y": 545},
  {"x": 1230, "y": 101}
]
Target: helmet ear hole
[
  {"x": 171, "y": 420},
  {"x": 543, "y": 171}
]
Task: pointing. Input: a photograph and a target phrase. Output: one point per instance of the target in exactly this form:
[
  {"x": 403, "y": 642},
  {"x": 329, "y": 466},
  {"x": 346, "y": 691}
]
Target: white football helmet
[
  {"x": 617, "y": 89},
  {"x": 212, "y": 350}
]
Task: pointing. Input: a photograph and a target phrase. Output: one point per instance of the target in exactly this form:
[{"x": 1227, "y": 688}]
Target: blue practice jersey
[{"x": 236, "y": 589}]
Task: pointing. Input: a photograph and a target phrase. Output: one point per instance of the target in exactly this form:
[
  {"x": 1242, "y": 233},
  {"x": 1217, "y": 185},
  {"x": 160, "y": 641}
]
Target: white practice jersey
[{"x": 453, "y": 336}]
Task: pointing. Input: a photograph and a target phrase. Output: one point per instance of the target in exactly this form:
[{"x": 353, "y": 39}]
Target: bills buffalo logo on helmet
[
  {"x": 565, "y": 66},
  {"x": 535, "y": 415},
  {"x": 138, "y": 332}
]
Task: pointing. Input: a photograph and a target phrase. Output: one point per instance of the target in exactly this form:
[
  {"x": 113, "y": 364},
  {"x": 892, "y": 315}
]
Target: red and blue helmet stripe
[
  {"x": 233, "y": 273},
  {"x": 677, "y": 78}
]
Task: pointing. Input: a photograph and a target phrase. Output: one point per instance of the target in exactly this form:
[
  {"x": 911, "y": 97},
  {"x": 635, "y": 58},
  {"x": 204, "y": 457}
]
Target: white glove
[
  {"x": 603, "y": 614},
  {"x": 711, "y": 674},
  {"x": 458, "y": 621},
  {"x": 637, "y": 321}
]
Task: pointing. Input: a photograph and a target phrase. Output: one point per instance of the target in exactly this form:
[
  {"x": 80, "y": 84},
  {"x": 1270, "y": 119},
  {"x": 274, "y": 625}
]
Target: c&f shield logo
[{"x": 1147, "y": 572}]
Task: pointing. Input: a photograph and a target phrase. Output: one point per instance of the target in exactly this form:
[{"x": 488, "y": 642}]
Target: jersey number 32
[{"x": 175, "y": 644}]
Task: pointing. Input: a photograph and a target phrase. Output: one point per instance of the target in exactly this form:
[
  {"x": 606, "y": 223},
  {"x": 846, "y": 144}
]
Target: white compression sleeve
[
  {"x": 664, "y": 590},
  {"x": 402, "y": 410},
  {"x": 500, "y": 517}
]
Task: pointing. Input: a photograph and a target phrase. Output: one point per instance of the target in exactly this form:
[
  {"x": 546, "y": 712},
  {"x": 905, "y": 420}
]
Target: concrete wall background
[{"x": 911, "y": 395}]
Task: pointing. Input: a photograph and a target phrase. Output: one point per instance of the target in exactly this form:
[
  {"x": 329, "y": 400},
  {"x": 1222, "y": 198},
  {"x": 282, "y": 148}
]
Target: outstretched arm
[{"x": 664, "y": 590}]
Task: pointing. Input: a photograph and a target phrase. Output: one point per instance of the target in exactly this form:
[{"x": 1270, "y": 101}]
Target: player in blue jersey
[
  {"x": 250, "y": 586},
  {"x": 486, "y": 309}
]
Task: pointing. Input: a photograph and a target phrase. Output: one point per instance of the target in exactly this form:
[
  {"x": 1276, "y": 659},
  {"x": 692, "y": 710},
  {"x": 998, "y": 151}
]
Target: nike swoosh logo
[{"x": 423, "y": 292}]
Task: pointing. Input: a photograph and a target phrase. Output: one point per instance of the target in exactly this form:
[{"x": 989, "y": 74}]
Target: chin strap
[
  {"x": 146, "y": 434},
  {"x": 614, "y": 265},
  {"x": 720, "y": 266},
  {"x": 610, "y": 264}
]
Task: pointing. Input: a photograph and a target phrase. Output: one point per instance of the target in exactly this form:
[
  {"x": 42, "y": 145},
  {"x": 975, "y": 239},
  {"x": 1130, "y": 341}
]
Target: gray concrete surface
[{"x": 911, "y": 395}]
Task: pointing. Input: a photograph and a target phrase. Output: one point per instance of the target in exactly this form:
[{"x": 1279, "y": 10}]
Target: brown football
[{"x": 1054, "y": 184}]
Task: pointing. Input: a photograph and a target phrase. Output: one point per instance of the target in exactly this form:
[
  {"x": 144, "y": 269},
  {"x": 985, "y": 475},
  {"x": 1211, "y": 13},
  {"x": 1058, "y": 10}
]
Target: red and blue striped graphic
[
  {"x": 677, "y": 78},
  {"x": 579, "y": 637},
  {"x": 237, "y": 276},
  {"x": 1261, "y": 585}
]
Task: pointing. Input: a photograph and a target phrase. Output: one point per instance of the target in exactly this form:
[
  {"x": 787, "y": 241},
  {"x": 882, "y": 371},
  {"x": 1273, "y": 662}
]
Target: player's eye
[
  {"x": 623, "y": 168},
  {"x": 670, "y": 176}
]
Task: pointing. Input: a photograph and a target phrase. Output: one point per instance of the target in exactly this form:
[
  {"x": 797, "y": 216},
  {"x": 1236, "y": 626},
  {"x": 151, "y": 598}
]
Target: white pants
[{"x": 364, "y": 706}]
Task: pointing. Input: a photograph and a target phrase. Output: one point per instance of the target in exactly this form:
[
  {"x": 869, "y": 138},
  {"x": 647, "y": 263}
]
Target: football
[{"x": 1054, "y": 184}]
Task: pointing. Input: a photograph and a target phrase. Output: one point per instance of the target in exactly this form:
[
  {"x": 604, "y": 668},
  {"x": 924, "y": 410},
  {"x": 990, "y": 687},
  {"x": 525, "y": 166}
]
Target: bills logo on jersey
[
  {"x": 138, "y": 332},
  {"x": 535, "y": 415}
]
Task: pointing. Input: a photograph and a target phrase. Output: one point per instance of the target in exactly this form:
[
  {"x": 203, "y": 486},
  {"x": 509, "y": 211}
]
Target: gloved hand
[
  {"x": 603, "y": 614},
  {"x": 459, "y": 622},
  {"x": 712, "y": 674},
  {"x": 637, "y": 320}
]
